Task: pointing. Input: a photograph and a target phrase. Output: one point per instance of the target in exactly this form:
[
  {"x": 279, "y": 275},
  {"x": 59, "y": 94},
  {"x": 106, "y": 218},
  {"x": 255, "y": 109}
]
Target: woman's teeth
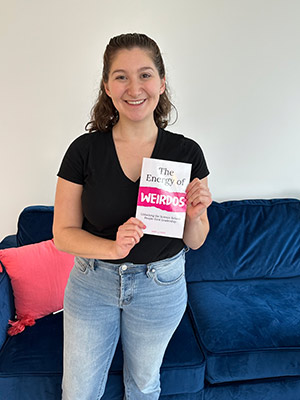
[{"x": 135, "y": 102}]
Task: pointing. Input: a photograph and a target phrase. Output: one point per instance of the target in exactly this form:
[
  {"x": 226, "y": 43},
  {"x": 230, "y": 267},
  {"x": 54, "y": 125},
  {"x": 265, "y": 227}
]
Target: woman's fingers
[
  {"x": 128, "y": 235},
  {"x": 198, "y": 192},
  {"x": 131, "y": 233},
  {"x": 132, "y": 229},
  {"x": 198, "y": 198}
]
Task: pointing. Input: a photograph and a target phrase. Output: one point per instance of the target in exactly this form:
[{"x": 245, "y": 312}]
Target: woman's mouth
[{"x": 135, "y": 102}]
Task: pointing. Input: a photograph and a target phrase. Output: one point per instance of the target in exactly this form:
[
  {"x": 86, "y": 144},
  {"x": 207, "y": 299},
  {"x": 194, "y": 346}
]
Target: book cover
[{"x": 161, "y": 202}]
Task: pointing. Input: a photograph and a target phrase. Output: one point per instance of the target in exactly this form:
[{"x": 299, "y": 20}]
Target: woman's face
[{"x": 134, "y": 85}]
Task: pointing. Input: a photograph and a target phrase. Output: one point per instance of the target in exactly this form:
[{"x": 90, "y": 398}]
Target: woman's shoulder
[
  {"x": 90, "y": 137},
  {"x": 179, "y": 140},
  {"x": 181, "y": 148},
  {"x": 88, "y": 140}
]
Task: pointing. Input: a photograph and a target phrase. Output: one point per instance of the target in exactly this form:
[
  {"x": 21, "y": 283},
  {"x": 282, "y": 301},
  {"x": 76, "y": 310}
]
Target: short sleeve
[
  {"x": 73, "y": 165},
  {"x": 195, "y": 154}
]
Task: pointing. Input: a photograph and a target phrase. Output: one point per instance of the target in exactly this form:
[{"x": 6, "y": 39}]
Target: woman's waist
[{"x": 130, "y": 267}]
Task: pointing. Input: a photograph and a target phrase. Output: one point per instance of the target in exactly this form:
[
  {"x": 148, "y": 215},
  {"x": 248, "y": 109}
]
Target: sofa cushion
[
  {"x": 39, "y": 274},
  {"x": 38, "y": 350},
  {"x": 31, "y": 363},
  {"x": 267, "y": 389},
  {"x": 248, "y": 329},
  {"x": 249, "y": 239},
  {"x": 37, "y": 353}
]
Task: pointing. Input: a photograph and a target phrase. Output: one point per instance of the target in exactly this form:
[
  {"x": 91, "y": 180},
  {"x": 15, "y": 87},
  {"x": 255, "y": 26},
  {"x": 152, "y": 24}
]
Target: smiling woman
[
  {"x": 104, "y": 114},
  {"x": 134, "y": 85},
  {"x": 115, "y": 295}
]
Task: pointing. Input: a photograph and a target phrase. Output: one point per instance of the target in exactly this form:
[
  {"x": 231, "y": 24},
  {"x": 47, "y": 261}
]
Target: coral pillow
[{"x": 39, "y": 274}]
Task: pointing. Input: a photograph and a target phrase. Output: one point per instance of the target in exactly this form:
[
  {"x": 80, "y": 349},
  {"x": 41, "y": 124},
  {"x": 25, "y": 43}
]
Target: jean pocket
[
  {"x": 82, "y": 264},
  {"x": 169, "y": 273}
]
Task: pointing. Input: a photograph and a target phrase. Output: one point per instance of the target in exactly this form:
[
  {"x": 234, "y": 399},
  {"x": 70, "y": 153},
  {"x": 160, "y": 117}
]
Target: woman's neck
[{"x": 135, "y": 132}]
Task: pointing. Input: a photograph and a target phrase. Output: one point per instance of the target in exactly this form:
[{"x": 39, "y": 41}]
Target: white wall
[{"x": 233, "y": 67}]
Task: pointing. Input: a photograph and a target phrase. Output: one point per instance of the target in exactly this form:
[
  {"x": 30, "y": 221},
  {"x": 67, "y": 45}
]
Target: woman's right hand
[
  {"x": 71, "y": 238},
  {"x": 128, "y": 235}
]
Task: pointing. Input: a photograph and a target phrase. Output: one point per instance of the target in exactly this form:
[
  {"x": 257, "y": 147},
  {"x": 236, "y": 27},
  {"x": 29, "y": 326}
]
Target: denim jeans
[{"x": 142, "y": 303}]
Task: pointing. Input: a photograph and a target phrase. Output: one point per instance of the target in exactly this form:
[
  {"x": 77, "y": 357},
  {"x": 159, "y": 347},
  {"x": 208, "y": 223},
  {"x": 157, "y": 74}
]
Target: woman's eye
[
  {"x": 121, "y": 77},
  {"x": 146, "y": 76}
]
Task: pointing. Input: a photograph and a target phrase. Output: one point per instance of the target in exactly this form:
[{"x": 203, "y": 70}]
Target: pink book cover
[{"x": 161, "y": 200}]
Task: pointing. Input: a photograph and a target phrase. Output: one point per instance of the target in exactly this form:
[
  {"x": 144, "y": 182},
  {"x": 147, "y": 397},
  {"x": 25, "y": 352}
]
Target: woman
[{"x": 124, "y": 283}]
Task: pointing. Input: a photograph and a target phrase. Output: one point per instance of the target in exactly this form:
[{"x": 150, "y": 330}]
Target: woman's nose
[{"x": 134, "y": 88}]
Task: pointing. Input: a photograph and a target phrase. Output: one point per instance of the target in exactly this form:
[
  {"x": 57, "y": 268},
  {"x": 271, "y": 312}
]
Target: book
[{"x": 161, "y": 204}]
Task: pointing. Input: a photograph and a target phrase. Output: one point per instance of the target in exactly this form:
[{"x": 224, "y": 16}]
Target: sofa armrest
[
  {"x": 7, "y": 307},
  {"x": 9, "y": 241}
]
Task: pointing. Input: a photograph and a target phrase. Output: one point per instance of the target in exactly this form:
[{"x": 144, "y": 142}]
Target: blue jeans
[{"x": 142, "y": 303}]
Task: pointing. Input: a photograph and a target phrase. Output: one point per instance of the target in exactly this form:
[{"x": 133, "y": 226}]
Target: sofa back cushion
[{"x": 249, "y": 239}]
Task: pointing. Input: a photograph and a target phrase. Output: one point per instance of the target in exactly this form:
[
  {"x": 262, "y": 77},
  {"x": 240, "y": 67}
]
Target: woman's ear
[
  {"x": 106, "y": 88},
  {"x": 163, "y": 85}
]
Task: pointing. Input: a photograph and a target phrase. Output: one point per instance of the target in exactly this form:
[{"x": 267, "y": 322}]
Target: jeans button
[{"x": 124, "y": 267}]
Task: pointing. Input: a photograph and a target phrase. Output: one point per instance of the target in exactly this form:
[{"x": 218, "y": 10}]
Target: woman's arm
[
  {"x": 71, "y": 238},
  {"x": 197, "y": 224}
]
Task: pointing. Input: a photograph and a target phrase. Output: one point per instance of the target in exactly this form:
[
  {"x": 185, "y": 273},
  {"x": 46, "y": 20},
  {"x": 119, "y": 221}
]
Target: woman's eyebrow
[
  {"x": 146, "y": 68},
  {"x": 122, "y": 71},
  {"x": 118, "y": 71}
]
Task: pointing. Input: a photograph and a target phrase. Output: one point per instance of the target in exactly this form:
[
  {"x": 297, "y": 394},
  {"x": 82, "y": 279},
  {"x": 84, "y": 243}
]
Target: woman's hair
[{"x": 104, "y": 115}]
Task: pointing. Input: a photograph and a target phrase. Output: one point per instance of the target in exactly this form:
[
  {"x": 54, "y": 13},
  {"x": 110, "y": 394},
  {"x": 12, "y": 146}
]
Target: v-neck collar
[{"x": 115, "y": 155}]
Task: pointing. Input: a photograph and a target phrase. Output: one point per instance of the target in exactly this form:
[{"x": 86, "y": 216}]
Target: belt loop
[
  {"x": 92, "y": 262},
  {"x": 150, "y": 271}
]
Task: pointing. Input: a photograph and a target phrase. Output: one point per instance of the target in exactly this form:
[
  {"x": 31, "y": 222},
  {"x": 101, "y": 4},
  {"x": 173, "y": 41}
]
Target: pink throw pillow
[{"x": 39, "y": 274}]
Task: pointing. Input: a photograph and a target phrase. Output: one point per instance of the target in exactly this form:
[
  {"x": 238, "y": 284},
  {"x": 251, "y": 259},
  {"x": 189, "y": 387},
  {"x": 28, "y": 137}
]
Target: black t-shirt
[{"x": 109, "y": 197}]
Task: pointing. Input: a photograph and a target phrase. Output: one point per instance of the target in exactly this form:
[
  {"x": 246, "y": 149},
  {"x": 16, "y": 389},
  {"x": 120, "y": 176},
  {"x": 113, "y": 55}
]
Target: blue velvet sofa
[{"x": 240, "y": 335}]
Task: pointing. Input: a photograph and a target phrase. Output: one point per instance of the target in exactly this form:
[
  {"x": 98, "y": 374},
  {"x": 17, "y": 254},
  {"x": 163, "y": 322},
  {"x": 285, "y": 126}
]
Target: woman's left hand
[{"x": 198, "y": 198}]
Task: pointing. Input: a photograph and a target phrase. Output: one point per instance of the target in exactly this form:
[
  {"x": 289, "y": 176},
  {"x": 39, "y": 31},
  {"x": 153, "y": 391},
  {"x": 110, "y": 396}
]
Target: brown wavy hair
[{"x": 104, "y": 115}]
